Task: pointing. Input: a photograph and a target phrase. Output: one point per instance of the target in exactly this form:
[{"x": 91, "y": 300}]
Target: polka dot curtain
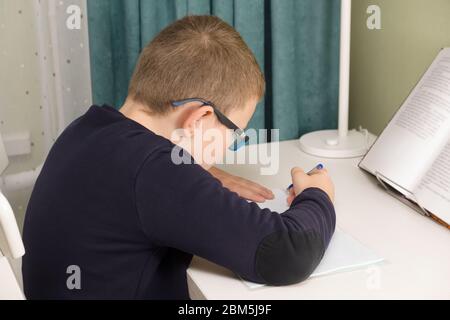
[
  {"x": 45, "y": 83},
  {"x": 63, "y": 54},
  {"x": 45, "y": 78}
]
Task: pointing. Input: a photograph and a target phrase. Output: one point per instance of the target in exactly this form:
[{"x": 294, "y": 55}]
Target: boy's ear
[{"x": 193, "y": 118}]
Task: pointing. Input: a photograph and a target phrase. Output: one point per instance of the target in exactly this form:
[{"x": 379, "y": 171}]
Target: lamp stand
[{"x": 340, "y": 143}]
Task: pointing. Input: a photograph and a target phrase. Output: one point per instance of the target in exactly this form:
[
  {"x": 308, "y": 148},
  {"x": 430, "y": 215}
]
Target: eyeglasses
[{"x": 240, "y": 138}]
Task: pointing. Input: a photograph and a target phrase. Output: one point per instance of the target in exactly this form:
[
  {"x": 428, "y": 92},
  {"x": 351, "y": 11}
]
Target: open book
[{"x": 411, "y": 157}]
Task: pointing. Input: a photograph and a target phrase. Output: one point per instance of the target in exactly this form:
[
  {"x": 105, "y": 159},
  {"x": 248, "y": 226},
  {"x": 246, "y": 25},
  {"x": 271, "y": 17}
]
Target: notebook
[{"x": 344, "y": 253}]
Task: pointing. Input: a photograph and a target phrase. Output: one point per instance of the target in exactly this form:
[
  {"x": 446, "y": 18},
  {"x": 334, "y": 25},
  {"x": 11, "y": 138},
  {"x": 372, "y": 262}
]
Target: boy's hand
[
  {"x": 318, "y": 179},
  {"x": 243, "y": 187}
]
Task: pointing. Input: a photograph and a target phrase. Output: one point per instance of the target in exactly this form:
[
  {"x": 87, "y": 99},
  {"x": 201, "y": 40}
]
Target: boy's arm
[{"x": 184, "y": 207}]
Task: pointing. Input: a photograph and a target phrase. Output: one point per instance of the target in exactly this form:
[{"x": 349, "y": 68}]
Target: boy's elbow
[{"x": 285, "y": 258}]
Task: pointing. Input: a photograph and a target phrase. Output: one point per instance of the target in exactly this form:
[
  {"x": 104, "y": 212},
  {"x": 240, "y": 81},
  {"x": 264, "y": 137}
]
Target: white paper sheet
[{"x": 344, "y": 253}]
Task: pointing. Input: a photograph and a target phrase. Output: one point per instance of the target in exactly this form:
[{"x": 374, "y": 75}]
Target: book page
[
  {"x": 433, "y": 192},
  {"x": 418, "y": 132}
]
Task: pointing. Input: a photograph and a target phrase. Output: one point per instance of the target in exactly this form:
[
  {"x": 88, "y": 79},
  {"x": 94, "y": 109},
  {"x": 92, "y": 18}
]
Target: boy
[{"x": 112, "y": 216}]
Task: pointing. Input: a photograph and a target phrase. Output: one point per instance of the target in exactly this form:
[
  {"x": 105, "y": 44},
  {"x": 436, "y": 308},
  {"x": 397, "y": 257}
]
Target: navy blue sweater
[{"x": 110, "y": 202}]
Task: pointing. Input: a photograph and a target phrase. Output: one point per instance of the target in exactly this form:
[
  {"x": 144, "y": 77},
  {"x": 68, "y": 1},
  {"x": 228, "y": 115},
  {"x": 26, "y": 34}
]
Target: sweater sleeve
[{"x": 186, "y": 208}]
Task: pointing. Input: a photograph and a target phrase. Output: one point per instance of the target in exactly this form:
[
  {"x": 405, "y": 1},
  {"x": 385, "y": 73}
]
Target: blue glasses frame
[{"x": 241, "y": 138}]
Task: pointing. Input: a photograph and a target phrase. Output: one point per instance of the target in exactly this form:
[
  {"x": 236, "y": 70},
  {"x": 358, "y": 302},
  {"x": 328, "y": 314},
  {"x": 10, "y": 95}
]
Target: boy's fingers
[
  {"x": 297, "y": 172},
  {"x": 266, "y": 193},
  {"x": 291, "y": 196},
  {"x": 250, "y": 190},
  {"x": 258, "y": 189},
  {"x": 289, "y": 200},
  {"x": 252, "y": 196},
  {"x": 291, "y": 192},
  {"x": 245, "y": 188}
]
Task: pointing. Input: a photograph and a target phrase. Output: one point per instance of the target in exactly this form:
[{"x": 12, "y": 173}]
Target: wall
[
  {"x": 387, "y": 63},
  {"x": 20, "y": 107},
  {"x": 44, "y": 83},
  {"x": 20, "y": 103}
]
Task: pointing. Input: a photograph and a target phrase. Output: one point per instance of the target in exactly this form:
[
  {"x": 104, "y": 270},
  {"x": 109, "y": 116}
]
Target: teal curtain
[{"x": 296, "y": 43}]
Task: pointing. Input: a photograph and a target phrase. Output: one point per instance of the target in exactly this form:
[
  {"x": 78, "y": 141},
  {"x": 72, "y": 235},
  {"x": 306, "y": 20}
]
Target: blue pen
[{"x": 318, "y": 167}]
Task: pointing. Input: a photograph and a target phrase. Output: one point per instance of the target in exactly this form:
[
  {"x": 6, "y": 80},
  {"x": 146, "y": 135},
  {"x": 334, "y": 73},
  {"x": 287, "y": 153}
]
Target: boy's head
[{"x": 198, "y": 57}]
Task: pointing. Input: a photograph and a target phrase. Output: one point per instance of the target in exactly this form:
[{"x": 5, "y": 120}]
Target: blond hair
[{"x": 197, "y": 57}]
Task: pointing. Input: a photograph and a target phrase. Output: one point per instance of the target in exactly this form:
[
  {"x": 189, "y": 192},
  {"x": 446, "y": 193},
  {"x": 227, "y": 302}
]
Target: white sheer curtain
[
  {"x": 64, "y": 64},
  {"x": 57, "y": 67}
]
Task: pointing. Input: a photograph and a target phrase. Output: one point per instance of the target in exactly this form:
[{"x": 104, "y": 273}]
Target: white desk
[{"x": 416, "y": 249}]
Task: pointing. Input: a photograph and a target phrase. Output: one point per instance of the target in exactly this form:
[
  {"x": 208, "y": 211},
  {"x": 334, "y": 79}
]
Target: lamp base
[{"x": 328, "y": 144}]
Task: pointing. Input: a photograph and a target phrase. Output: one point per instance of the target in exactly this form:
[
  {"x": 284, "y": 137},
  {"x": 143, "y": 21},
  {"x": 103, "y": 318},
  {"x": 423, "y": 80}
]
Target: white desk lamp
[{"x": 340, "y": 143}]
